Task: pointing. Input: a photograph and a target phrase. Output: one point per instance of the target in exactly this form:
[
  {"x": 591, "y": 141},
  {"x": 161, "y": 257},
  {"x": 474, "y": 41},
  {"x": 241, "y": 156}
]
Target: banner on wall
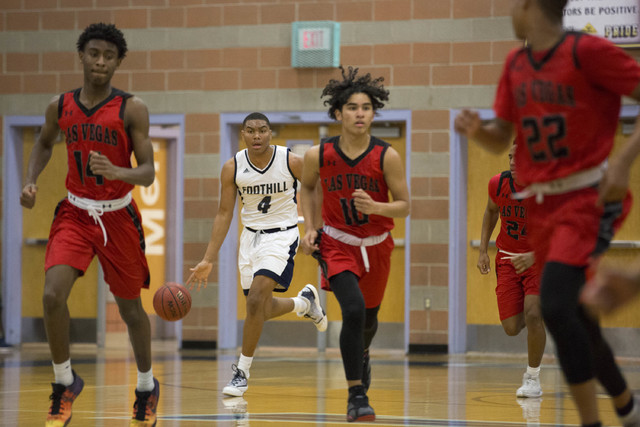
[
  {"x": 152, "y": 203},
  {"x": 615, "y": 20}
]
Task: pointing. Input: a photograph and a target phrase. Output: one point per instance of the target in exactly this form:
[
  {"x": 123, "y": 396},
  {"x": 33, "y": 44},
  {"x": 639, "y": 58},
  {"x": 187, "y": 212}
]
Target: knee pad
[{"x": 559, "y": 290}]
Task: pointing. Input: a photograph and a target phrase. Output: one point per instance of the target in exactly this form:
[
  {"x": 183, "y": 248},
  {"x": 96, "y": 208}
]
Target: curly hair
[
  {"x": 106, "y": 32},
  {"x": 339, "y": 92}
]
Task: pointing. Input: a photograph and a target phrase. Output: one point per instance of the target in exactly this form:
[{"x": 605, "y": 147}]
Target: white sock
[
  {"x": 300, "y": 305},
  {"x": 244, "y": 363},
  {"x": 62, "y": 373},
  {"x": 533, "y": 372},
  {"x": 145, "y": 381}
]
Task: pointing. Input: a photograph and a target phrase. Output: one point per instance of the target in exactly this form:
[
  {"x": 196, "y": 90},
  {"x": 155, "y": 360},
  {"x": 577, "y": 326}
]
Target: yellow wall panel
[
  {"x": 482, "y": 307},
  {"x": 481, "y": 298},
  {"x": 152, "y": 203},
  {"x": 306, "y": 268},
  {"x": 35, "y": 225}
]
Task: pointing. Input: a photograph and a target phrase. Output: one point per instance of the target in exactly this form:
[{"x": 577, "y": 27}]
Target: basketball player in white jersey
[{"x": 265, "y": 177}]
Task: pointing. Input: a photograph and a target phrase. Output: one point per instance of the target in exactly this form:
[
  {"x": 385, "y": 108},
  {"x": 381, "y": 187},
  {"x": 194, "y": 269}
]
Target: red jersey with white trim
[
  {"x": 513, "y": 222},
  {"x": 565, "y": 103},
  {"x": 341, "y": 176},
  {"x": 99, "y": 129}
]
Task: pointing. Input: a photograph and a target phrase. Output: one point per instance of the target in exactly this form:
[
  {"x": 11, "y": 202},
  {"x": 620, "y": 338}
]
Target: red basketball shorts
[
  {"x": 75, "y": 239},
  {"x": 343, "y": 257},
  {"x": 513, "y": 287},
  {"x": 570, "y": 229}
]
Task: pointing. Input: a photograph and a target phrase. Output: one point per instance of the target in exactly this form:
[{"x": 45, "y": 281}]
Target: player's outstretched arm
[
  {"x": 494, "y": 136},
  {"x": 224, "y": 216}
]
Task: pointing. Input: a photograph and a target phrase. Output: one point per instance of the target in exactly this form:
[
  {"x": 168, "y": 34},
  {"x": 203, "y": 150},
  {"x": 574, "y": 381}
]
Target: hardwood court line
[{"x": 339, "y": 419}]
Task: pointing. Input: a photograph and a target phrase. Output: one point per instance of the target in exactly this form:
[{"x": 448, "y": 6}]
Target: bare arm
[
  {"x": 136, "y": 121},
  {"x": 494, "y": 136},
  {"x": 295, "y": 163},
  {"x": 309, "y": 199},
  {"x": 489, "y": 221},
  {"x": 221, "y": 223},
  {"x": 400, "y": 206},
  {"x": 41, "y": 154},
  {"x": 615, "y": 183}
]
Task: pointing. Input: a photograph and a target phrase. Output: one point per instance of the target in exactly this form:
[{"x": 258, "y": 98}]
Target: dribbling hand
[{"x": 199, "y": 275}]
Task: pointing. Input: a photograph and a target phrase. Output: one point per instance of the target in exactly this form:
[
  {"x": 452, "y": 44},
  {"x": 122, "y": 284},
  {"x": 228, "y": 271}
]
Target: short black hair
[
  {"x": 106, "y": 32},
  {"x": 339, "y": 92},
  {"x": 256, "y": 116},
  {"x": 553, "y": 9}
]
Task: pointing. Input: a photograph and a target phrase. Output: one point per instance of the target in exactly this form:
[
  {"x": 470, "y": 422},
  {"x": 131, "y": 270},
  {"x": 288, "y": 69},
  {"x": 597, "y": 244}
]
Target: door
[
  {"x": 391, "y": 315},
  {"x": 83, "y": 301},
  {"x": 35, "y": 231},
  {"x": 482, "y": 309}
]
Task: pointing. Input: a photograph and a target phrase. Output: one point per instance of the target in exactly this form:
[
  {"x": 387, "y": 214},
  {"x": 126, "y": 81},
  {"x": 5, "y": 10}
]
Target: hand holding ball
[{"x": 172, "y": 301}]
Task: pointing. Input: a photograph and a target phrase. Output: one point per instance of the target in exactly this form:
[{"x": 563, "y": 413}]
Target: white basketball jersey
[{"x": 268, "y": 195}]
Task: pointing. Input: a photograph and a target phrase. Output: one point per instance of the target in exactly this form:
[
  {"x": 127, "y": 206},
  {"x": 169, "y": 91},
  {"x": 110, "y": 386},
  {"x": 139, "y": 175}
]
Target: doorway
[
  {"x": 467, "y": 324},
  {"x": 18, "y": 248},
  {"x": 296, "y": 132}
]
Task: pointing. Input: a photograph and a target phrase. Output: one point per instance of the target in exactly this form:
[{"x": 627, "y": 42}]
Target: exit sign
[
  {"x": 314, "y": 39},
  {"x": 315, "y": 44}
]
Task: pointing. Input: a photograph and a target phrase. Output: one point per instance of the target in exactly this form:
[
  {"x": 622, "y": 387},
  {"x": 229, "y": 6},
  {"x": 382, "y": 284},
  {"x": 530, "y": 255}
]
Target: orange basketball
[{"x": 172, "y": 301}]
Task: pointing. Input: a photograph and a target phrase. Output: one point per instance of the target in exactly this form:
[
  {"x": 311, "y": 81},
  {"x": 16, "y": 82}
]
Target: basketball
[{"x": 172, "y": 301}]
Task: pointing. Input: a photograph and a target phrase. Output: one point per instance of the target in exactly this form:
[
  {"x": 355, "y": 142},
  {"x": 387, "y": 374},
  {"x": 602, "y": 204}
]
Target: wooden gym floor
[{"x": 292, "y": 387}]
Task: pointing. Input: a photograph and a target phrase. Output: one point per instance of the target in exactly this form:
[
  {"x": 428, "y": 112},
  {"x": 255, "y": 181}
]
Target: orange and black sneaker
[
  {"x": 144, "y": 409},
  {"x": 61, "y": 400}
]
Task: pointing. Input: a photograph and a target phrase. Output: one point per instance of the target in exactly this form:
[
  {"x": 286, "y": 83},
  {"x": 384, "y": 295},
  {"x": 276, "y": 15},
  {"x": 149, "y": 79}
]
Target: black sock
[
  {"x": 598, "y": 424},
  {"x": 626, "y": 409}
]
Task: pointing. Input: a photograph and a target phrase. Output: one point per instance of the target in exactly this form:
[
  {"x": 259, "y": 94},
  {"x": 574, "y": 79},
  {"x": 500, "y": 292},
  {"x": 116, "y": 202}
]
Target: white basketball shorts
[{"x": 267, "y": 254}]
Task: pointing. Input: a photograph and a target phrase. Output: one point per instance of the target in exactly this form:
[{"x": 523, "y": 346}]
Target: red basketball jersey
[
  {"x": 341, "y": 176},
  {"x": 565, "y": 104},
  {"x": 99, "y": 129},
  {"x": 513, "y": 222}
]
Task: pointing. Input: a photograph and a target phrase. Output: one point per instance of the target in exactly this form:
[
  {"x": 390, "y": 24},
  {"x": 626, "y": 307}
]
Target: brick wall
[{"x": 204, "y": 57}]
